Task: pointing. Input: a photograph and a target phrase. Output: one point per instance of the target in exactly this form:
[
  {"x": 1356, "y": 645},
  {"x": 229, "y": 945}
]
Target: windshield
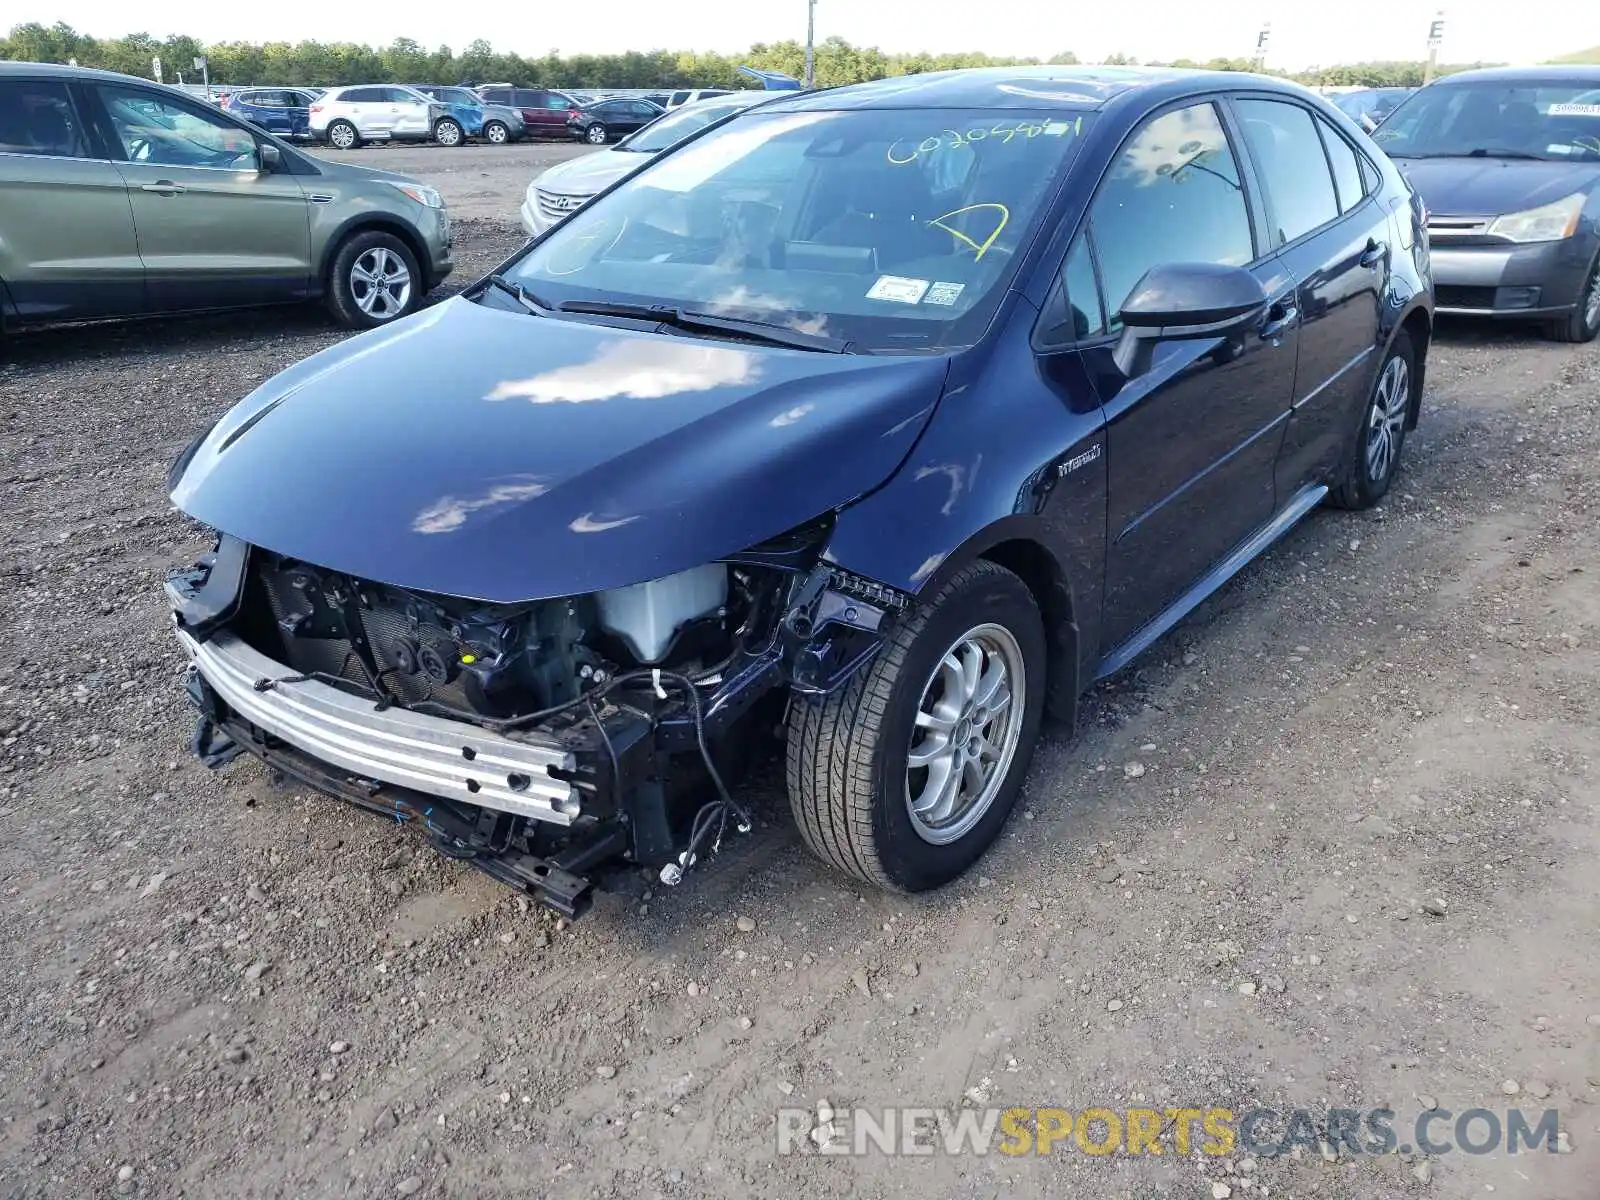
[
  {"x": 1555, "y": 121},
  {"x": 677, "y": 125},
  {"x": 892, "y": 229}
]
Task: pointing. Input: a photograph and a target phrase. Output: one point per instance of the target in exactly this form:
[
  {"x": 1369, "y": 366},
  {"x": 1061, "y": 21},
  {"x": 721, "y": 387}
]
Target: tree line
[{"x": 406, "y": 61}]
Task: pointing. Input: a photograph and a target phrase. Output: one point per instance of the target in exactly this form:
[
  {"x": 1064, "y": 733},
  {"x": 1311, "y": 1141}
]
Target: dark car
[
  {"x": 283, "y": 111},
  {"x": 605, "y": 120},
  {"x": 1369, "y": 106},
  {"x": 892, "y": 416},
  {"x": 544, "y": 112},
  {"x": 1508, "y": 163}
]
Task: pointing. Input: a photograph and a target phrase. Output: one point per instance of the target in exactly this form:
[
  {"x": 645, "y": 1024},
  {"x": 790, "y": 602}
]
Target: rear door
[
  {"x": 369, "y": 110},
  {"x": 214, "y": 228},
  {"x": 1333, "y": 239},
  {"x": 68, "y": 249}
]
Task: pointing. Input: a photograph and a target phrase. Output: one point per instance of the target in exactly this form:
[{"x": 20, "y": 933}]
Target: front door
[
  {"x": 67, "y": 245},
  {"x": 215, "y": 229},
  {"x": 1191, "y": 442}
]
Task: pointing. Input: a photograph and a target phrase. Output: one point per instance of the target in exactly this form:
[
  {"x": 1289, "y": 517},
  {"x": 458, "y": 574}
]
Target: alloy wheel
[
  {"x": 596, "y": 135},
  {"x": 965, "y": 736},
  {"x": 1387, "y": 418},
  {"x": 380, "y": 283},
  {"x": 342, "y": 136},
  {"x": 1591, "y": 303},
  {"x": 495, "y": 133},
  {"x": 448, "y": 133}
]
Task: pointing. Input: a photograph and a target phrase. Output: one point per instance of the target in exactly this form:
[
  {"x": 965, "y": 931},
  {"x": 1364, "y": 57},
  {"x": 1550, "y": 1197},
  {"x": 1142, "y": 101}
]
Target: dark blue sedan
[{"x": 892, "y": 416}]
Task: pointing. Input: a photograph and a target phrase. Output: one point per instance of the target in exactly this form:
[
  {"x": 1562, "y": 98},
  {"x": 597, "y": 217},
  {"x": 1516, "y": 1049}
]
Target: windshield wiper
[
  {"x": 1492, "y": 152},
  {"x": 681, "y": 318},
  {"x": 522, "y": 295}
]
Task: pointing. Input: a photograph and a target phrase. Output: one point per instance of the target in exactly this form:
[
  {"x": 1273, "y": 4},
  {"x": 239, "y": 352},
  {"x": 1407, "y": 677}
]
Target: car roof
[
  {"x": 1554, "y": 73},
  {"x": 1072, "y": 87},
  {"x": 59, "y": 71}
]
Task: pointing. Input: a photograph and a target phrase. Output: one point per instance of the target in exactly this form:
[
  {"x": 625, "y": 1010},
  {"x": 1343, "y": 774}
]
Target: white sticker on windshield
[
  {"x": 944, "y": 293},
  {"x": 1575, "y": 110},
  {"x": 897, "y": 288}
]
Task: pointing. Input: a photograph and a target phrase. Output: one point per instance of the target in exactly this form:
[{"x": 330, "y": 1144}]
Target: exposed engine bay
[{"x": 543, "y": 741}]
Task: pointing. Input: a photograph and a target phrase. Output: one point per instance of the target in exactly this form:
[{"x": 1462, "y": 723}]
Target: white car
[
  {"x": 345, "y": 117},
  {"x": 692, "y": 95},
  {"x": 566, "y": 187}
]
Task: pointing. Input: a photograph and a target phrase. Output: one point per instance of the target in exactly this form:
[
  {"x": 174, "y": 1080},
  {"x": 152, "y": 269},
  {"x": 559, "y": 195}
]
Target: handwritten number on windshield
[
  {"x": 902, "y": 152},
  {"x": 979, "y": 248}
]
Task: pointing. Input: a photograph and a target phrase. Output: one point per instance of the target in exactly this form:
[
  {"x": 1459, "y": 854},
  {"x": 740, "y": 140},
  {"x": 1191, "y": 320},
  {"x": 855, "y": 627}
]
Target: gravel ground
[{"x": 1331, "y": 845}]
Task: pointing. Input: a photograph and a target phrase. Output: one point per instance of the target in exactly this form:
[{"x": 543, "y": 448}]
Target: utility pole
[
  {"x": 1435, "y": 36},
  {"x": 1260, "y": 57},
  {"x": 811, "y": 33},
  {"x": 201, "y": 65}
]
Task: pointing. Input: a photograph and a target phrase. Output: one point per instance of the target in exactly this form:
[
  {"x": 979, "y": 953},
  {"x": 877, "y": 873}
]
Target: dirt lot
[{"x": 1214, "y": 895}]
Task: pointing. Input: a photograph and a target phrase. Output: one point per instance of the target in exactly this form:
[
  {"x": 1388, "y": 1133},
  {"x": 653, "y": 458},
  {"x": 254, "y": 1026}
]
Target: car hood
[
  {"x": 1491, "y": 187},
  {"x": 504, "y": 457},
  {"x": 354, "y": 172},
  {"x": 592, "y": 173}
]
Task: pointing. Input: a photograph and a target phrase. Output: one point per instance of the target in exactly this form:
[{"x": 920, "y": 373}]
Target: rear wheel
[
  {"x": 1583, "y": 324},
  {"x": 342, "y": 135},
  {"x": 1382, "y": 434},
  {"x": 447, "y": 132},
  {"x": 374, "y": 279},
  {"x": 595, "y": 135},
  {"x": 905, "y": 776},
  {"x": 496, "y": 133}
]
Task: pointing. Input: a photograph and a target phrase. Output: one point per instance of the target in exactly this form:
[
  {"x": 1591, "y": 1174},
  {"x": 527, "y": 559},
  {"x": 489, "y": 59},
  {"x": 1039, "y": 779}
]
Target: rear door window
[
  {"x": 1347, "y": 176},
  {"x": 1294, "y": 168},
  {"x": 37, "y": 117}
]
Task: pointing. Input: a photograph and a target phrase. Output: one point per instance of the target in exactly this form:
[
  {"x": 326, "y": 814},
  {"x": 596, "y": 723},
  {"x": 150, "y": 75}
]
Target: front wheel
[
  {"x": 496, "y": 134},
  {"x": 448, "y": 132},
  {"x": 595, "y": 135},
  {"x": 1583, "y": 324},
  {"x": 905, "y": 776},
  {"x": 1382, "y": 434},
  {"x": 374, "y": 279}
]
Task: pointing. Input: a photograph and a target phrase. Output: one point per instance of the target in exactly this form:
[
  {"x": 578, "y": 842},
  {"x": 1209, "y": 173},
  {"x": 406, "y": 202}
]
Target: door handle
[
  {"x": 164, "y": 186},
  {"x": 1375, "y": 252},
  {"x": 1282, "y": 315}
]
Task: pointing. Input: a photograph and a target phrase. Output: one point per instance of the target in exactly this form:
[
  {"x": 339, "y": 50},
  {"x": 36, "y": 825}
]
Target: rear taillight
[{"x": 316, "y": 108}]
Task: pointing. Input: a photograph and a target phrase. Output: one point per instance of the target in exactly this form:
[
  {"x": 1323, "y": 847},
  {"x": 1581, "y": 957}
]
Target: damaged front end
[{"x": 545, "y": 742}]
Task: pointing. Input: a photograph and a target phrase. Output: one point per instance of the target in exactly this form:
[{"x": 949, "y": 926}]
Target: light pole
[
  {"x": 1435, "y": 37},
  {"x": 811, "y": 32},
  {"x": 1261, "y": 46}
]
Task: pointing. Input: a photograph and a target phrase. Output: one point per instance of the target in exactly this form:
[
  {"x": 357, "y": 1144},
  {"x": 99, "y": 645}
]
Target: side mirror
[
  {"x": 271, "y": 157},
  {"x": 1185, "y": 302}
]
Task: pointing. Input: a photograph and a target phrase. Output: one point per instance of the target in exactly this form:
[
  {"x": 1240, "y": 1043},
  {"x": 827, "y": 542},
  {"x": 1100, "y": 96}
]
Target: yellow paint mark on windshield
[{"x": 979, "y": 248}]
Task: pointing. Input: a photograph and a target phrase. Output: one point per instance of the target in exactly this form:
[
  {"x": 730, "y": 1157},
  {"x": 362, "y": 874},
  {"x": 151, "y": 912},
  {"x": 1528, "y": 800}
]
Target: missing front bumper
[{"x": 431, "y": 755}]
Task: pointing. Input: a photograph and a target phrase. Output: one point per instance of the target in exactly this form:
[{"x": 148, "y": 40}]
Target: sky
[{"x": 1303, "y": 34}]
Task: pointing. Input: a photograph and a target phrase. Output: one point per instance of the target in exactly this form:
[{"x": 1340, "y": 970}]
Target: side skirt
[{"x": 1246, "y": 551}]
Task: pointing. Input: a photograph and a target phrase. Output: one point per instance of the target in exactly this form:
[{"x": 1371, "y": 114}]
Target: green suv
[{"x": 123, "y": 198}]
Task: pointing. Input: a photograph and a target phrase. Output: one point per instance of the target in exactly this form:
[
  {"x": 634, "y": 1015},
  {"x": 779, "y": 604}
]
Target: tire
[
  {"x": 849, "y": 772},
  {"x": 447, "y": 132},
  {"x": 1381, "y": 436},
  {"x": 596, "y": 134},
  {"x": 1583, "y": 323},
  {"x": 342, "y": 135},
  {"x": 496, "y": 133},
  {"x": 359, "y": 304}
]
